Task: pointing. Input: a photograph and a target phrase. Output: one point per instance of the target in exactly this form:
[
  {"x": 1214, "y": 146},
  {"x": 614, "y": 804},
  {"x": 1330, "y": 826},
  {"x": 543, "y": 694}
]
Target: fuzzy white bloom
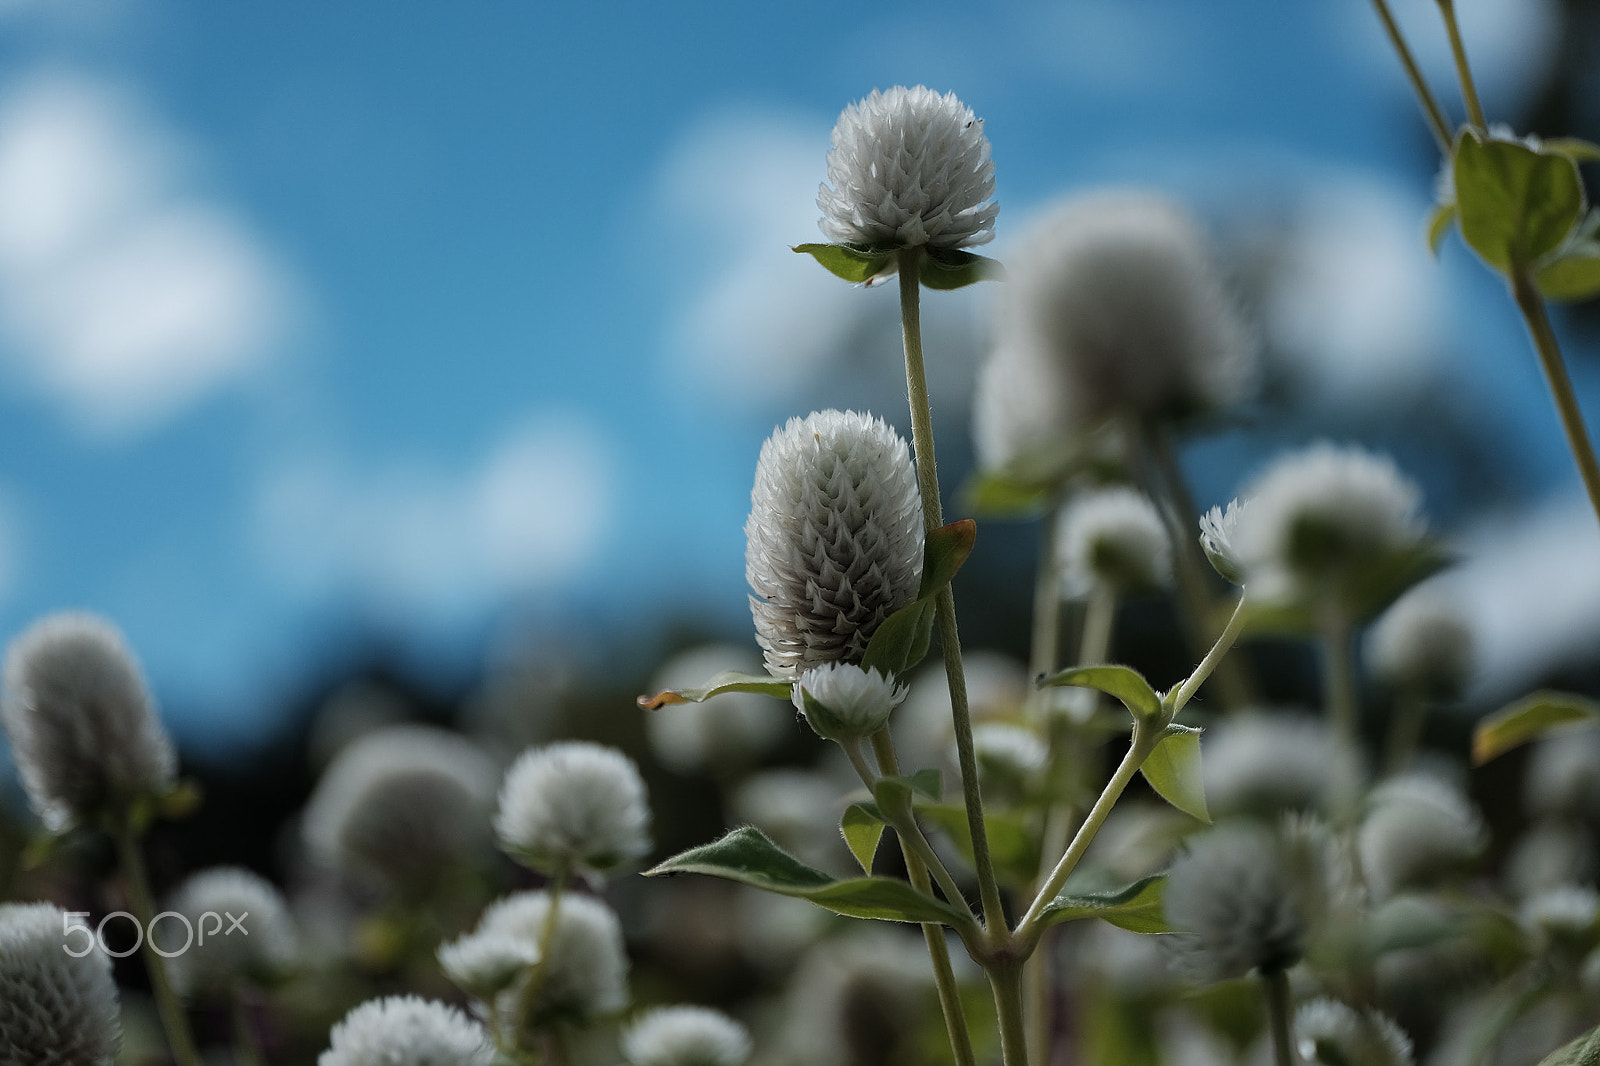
[
  {"x": 1008, "y": 751},
  {"x": 1265, "y": 764},
  {"x": 909, "y": 167},
  {"x": 407, "y": 1031},
  {"x": 82, "y": 726},
  {"x": 402, "y": 804},
  {"x": 1118, "y": 290},
  {"x": 486, "y": 964},
  {"x": 586, "y": 970},
  {"x": 844, "y": 702},
  {"x": 1423, "y": 643},
  {"x": 1418, "y": 829},
  {"x": 725, "y": 733},
  {"x": 55, "y": 1009},
  {"x": 1322, "y": 517},
  {"x": 1330, "y": 1033},
  {"x": 685, "y": 1036},
  {"x": 573, "y": 805},
  {"x": 1218, "y": 528},
  {"x": 1114, "y": 537},
  {"x": 261, "y": 947},
  {"x": 1236, "y": 897},
  {"x": 1563, "y": 776},
  {"x": 1563, "y": 913},
  {"x": 833, "y": 544}
]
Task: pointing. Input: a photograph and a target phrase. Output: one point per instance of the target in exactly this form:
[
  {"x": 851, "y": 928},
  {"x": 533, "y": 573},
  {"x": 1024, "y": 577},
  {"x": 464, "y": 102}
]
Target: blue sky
[{"x": 421, "y": 320}]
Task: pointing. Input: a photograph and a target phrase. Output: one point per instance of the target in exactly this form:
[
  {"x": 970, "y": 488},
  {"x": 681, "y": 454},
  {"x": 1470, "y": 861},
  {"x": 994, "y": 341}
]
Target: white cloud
[
  {"x": 124, "y": 297},
  {"x": 408, "y": 539}
]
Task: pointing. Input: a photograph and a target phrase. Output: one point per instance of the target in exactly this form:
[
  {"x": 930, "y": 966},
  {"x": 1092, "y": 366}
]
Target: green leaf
[
  {"x": 862, "y": 827},
  {"x": 746, "y": 855},
  {"x": 1571, "y": 276},
  {"x": 1173, "y": 770},
  {"x": 1123, "y": 682},
  {"x": 1530, "y": 717},
  {"x": 1584, "y": 1051},
  {"x": 1574, "y": 148},
  {"x": 1439, "y": 225},
  {"x": 848, "y": 263},
  {"x": 1516, "y": 205},
  {"x": 1137, "y": 907},
  {"x": 727, "y": 681},
  {"x": 945, "y": 549},
  {"x": 996, "y": 494},
  {"x": 957, "y": 269},
  {"x": 901, "y": 640}
]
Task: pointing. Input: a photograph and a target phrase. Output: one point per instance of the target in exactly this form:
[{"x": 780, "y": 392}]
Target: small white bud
[
  {"x": 1330, "y": 1033},
  {"x": 1115, "y": 537},
  {"x": 585, "y": 972},
  {"x": 1218, "y": 529},
  {"x": 845, "y": 703},
  {"x": 573, "y": 805},
  {"x": 55, "y": 1006},
  {"x": 260, "y": 947},
  {"x": 685, "y": 1036},
  {"x": 407, "y": 1031}
]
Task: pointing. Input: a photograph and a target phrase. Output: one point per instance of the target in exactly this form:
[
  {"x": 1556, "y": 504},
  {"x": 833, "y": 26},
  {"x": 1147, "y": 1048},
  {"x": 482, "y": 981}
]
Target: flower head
[
  {"x": 909, "y": 167},
  {"x": 685, "y": 1036},
  {"x": 262, "y": 947},
  {"x": 1423, "y": 643},
  {"x": 1114, "y": 537},
  {"x": 1330, "y": 1033},
  {"x": 586, "y": 970},
  {"x": 1218, "y": 528},
  {"x": 1418, "y": 830},
  {"x": 54, "y": 1007},
  {"x": 83, "y": 729},
  {"x": 401, "y": 805},
  {"x": 833, "y": 543},
  {"x": 573, "y": 804},
  {"x": 486, "y": 963},
  {"x": 845, "y": 703},
  {"x": 407, "y": 1031}
]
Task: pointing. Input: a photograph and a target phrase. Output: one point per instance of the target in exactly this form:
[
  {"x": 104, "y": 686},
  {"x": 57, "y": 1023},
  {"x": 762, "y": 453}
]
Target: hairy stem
[
  {"x": 1338, "y": 681},
  {"x": 173, "y": 1019},
  {"x": 1276, "y": 985},
  {"x": 1224, "y": 644},
  {"x": 1531, "y": 304},
  {"x": 528, "y": 998},
  {"x": 1405, "y": 729},
  {"x": 1005, "y": 979},
  {"x": 944, "y": 975},
  {"x": 910, "y": 266},
  {"x": 1430, "y": 107},
  {"x": 1469, "y": 91}
]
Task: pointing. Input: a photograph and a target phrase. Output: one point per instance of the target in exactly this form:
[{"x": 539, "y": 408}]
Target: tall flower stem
[
  {"x": 1005, "y": 979},
  {"x": 1469, "y": 91},
  {"x": 1213, "y": 659},
  {"x": 1405, "y": 728},
  {"x": 1531, "y": 304},
  {"x": 944, "y": 975},
  {"x": 1338, "y": 680},
  {"x": 910, "y": 269},
  {"x": 1430, "y": 107},
  {"x": 1276, "y": 985},
  {"x": 528, "y": 998},
  {"x": 176, "y": 1023}
]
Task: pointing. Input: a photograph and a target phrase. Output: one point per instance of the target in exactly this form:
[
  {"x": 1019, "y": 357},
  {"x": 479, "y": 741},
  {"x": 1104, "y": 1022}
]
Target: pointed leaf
[
  {"x": 1530, "y": 717},
  {"x": 901, "y": 640},
  {"x": 1137, "y": 907},
  {"x": 957, "y": 269},
  {"x": 1123, "y": 682},
  {"x": 1173, "y": 770},
  {"x": 1574, "y": 148},
  {"x": 1584, "y": 1051},
  {"x": 727, "y": 681},
  {"x": 943, "y": 553},
  {"x": 1439, "y": 225},
  {"x": 848, "y": 263},
  {"x": 746, "y": 855},
  {"x": 1516, "y": 205},
  {"x": 862, "y": 827},
  {"x": 1571, "y": 276}
]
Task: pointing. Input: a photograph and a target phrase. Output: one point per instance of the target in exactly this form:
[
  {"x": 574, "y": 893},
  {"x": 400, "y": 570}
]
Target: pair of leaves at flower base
[
  {"x": 899, "y": 643},
  {"x": 1523, "y": 210},
  {"x": 939, "y": 268},
  {"x": 1173, "y": 767}
]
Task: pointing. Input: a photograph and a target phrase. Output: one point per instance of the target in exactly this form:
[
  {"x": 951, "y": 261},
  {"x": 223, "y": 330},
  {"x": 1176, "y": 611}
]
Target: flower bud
[
  {"x": 846, "y": 703},
  {"x": 407, "y": 1031},
  {"x": 260, "y": 949},
  {"x": 55, "y": 1007},
  {"x": 573, "y": 805}
]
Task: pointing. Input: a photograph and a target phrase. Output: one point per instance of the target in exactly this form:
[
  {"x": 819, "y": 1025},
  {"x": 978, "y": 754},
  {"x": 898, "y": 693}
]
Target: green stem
[
  {"x": 944, "y": 975},
  {"x": 1430, "y": 107},
  {"x": 1276, "y": 985},
  {"x": 1405, "y": 728},
  {"x": 1531, "y": 304},
  {"x": 910, "y": 265},
  {"x": 1469, "y": 91},
  {"x": 1145, "y": 739},
  {"x": 1005, "y": 979},
  {"x": 907, "y": 830},
  {"x": 1224, "y": 644},
  {"x": 246, "y": 1047},
  {"x": 528, "y": 998},
  {"x": 173, "y": 1019},
  {"x": 1045, "y": 646},
  {"x": 1338, "y": 681}
]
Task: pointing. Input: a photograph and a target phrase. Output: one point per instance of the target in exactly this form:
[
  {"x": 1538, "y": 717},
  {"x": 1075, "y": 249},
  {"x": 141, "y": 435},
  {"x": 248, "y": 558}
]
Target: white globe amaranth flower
[
  {"x": 407, "y": 1031},
  {"x": 1114, "y": 537},
  {"x": 1118, "y": 291},
  {"x": 1023, "y": 422},
  {"x": 1330, "y": 1033},
  {"x": 585, "y": 971},
  {"x": 486, "y": 963},
  {"x": 1550, "y": 854},
  {"x": 1008, "y": 755},
  {"x": 1265, "y": 764},
  {"x": 402, "y": 805},
  {"x": 1324, "y": 519},
  {"x": 55, "y": 1009},
  {"x": 685, "y": 1036},
  {"x": 259, "y": 949},
  {"x": 908, "y": 168},
  {"x": 1423, "y": 643},
  {"x": 83, "y": 728},
  {"x": 844, "y": 702},
  {"x": 573, "y": 805},
  {"x": 1418, "y": 829},
  {"x": 725, "y": 733},
  {"x": 1218, "y": 528},
  {"x": 833, "y": 544},
  {"x": 1563, "y": 776}
]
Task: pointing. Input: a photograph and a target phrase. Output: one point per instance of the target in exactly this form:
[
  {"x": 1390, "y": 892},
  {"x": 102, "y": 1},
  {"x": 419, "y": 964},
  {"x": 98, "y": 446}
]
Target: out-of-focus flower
[
  {"x": 1550, "y": 854},
  {"x": 1563, "y": 777},
  {"x": 1418, "y": 829},
  {"x": 1114, "y": 537},
  {"x": 685, "y": 1036},
  {"x": 997, "y": 687},
  {"x": 585, "y": 971},
  {"x": 1424, "y": 643},
  {"x": 1565, "y": 914},
  {"x": 1265, "y": 764},
  {"x": 402, "y": 804},
  {"x": 54, "y": 1007},
  {"x": 909, "y": 167},
  {"x": 725, "y": 733},
  {"x": 1330, "y": 1033},
  {"x": 1218, "y": 528},
  {"x": 485, "y": 963},
  {"x": 82, "y": 726},
  {"x": 846, "y": 703},
  {"x": 856, "y": 999},
  {"x": 834, "y": 538},
  {"x": 261, "y": 949},
  {"x": 573, "y": 805},
  {"x": 1009, "y": 756},
  {"x": 407, "y": 1031}
]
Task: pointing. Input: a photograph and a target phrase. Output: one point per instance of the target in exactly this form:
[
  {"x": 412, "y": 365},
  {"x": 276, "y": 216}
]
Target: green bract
[{"x": 1516, "y": 205}]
